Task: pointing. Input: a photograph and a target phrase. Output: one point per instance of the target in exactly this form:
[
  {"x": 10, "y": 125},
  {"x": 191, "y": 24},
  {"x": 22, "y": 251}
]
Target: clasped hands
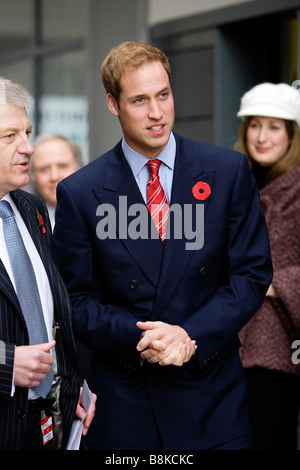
[{"x": 165, "y": 344}]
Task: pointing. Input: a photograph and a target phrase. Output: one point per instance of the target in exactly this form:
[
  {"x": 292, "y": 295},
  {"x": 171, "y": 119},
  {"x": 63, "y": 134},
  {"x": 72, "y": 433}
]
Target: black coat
[{"x": 13, "y": 332}]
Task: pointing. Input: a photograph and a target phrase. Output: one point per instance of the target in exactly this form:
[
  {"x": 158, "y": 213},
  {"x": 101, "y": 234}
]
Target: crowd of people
[{"x": 184, "y": 348}]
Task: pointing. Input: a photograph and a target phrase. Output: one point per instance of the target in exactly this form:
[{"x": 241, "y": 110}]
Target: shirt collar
[
  {"x": 137, "y": 161},
  {"x": 7, "y": 197}
]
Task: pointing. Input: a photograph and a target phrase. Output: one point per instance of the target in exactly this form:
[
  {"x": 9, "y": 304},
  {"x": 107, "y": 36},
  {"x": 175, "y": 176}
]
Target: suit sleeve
[
  {"x": 249, "y": 272},
  {"x": 104, "y": 328}
]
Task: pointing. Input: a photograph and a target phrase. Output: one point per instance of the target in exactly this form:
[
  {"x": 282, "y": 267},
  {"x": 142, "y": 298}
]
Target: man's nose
[
  {"x": 25, "y": 147},
  {"x": 155, "y": 111}
]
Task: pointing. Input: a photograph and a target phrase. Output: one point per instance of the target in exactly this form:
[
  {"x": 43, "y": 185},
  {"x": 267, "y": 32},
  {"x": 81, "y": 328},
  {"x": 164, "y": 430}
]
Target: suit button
[
  {"x": 133, "y": 284},
  {"x": 202, "y": 271},
  {"x": 21, "y": 414}
]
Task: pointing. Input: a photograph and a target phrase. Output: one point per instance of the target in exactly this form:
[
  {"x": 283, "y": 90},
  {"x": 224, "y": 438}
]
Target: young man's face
[
  {"x": 145, "y": 109},
  {"x": 15, "y": 148}
]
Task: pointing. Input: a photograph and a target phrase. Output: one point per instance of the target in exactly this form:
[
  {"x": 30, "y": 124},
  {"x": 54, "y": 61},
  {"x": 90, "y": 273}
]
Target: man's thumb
[{"x": 44, "y": 346}]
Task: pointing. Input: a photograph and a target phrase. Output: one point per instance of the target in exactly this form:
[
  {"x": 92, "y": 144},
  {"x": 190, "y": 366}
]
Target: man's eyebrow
[
  {"x": 142, "y": 95},
  {"x": 8, "y": 130},
  {"x": 138, "y": 95},
  {"x": 14, "y": 129}
]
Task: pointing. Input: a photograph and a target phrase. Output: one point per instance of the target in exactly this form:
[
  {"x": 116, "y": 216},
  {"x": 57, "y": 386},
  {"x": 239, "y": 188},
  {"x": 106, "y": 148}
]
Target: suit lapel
[
  {"x": 120, "y": 183},
  {"x": 28, "y": 211},
  {"x": 188, "y": 171},
  {"x": 28, "y": 207},
  {"x": 31, "y": 223},
  {"x": 7, "y": 288}
]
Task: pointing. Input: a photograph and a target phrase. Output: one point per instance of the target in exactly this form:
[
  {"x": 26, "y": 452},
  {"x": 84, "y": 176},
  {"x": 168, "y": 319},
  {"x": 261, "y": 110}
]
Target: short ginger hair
[{"x": 129, "y": 56}]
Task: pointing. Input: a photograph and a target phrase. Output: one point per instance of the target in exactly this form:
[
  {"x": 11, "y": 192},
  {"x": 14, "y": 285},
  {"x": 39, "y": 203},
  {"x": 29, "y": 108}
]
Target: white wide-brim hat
[{"x": 271, "y": 100}]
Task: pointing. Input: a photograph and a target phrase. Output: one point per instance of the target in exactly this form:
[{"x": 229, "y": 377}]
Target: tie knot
[
  {"x": 5, "y": 210},
  {"x": 154, "y": 166}
]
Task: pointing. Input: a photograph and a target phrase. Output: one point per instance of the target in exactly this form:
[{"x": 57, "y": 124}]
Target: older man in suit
[
  {"x": 160, "y": 294},
  {"x": 39, "y": 377}
]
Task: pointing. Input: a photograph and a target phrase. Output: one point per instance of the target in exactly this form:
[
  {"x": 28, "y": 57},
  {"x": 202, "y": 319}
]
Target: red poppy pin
[
  {"x": 41, "y": 222},
  {"x": 201, "y": 190}
]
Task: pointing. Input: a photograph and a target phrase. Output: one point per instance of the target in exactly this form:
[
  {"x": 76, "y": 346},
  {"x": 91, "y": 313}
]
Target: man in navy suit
[
  {"x": 25, "y": 413},
  {"x": 162, "y": 312}
]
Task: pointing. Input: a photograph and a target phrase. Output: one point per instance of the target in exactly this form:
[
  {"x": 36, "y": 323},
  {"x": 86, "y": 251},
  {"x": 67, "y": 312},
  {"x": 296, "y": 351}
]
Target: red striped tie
[{"x": 156, "y": 199}]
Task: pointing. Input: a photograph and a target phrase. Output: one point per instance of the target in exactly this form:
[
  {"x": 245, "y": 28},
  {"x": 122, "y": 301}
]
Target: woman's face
[{"x": 267, "y": 139}]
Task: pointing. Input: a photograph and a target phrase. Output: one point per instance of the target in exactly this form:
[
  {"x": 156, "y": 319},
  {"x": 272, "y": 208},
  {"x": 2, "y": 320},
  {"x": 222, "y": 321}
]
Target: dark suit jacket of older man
[{"x": 13, "y": 332}]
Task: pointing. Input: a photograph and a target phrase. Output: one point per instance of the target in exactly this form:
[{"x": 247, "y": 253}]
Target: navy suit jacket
[
  {"x": 13, "y": 332},
  {"x": 211, "y": 292}
]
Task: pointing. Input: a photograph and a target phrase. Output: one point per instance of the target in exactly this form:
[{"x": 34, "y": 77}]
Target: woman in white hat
[{"x": 269, "y": 135}]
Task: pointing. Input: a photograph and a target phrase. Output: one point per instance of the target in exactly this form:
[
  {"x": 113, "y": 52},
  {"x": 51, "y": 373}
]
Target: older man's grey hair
[{"x": 13, "y": 93}]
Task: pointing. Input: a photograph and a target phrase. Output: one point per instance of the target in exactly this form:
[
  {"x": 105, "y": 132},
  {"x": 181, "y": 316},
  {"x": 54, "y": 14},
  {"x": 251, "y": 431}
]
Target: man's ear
[{"x": 112, "y": 105}]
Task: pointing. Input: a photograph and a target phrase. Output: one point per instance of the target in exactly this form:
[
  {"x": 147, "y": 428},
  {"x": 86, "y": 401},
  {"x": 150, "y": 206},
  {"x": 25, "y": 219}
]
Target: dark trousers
[
  {"x": 274, "y": 403},
  {"x": 33, "y": 439}
]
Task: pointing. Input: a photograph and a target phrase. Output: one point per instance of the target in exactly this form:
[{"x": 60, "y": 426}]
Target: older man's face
[
  {"x": 53, "y": 161},
  {"x": 15, "y": 148}
]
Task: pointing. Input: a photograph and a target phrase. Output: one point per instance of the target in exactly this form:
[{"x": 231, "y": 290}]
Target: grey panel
[
  {"x": 192, "y": 83},
  {"x": 197, "y": 130}
]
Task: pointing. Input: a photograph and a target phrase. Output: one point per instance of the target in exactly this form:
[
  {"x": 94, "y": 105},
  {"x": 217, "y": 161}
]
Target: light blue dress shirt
[{"x": 141, "y": 173}]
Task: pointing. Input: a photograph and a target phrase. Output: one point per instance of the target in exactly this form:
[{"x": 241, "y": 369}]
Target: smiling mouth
[
  {"x": 157, "y": 129},
  {"x": 262, "y": 149}
]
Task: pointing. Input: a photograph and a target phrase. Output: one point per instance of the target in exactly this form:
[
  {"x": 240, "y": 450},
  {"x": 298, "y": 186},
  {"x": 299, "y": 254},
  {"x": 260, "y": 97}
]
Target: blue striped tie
[{"x": 26, "y": 287}]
